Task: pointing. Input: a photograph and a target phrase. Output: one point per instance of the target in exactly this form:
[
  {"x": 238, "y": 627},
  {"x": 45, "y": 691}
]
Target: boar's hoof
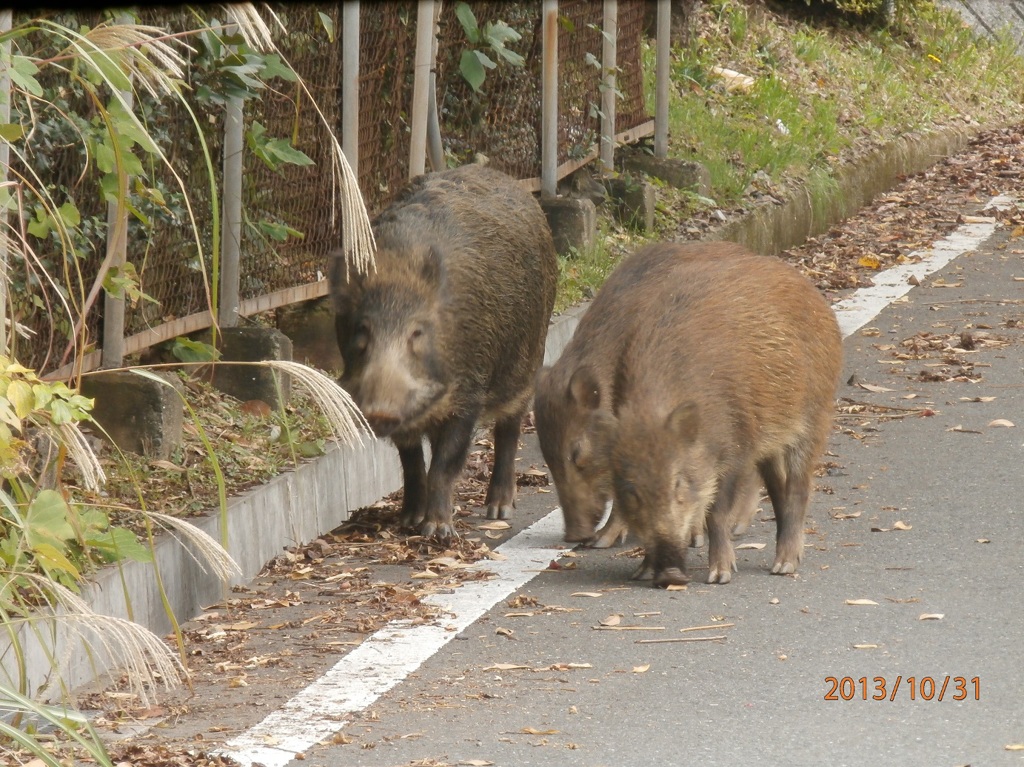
[
  {"x": 719, "y": 576},
  {"x": 741, "y": 528},
  {"x": 645, "y": 571},
  {"x": 612, "y": 534},
  {"x": 670, "y": 576},
  {"x": 503, "y": 511},
  {"x": 697, "y": 541},
  {"x": 440, "y": 531},
  {"x": 783, "y": 568}
]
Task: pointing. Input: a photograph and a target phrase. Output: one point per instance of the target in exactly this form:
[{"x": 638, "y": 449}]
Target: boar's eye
[
  {"x": 578, "y": 455},
  {"x": 361, "y": 337},
  {"x": 416, "y": 338}
]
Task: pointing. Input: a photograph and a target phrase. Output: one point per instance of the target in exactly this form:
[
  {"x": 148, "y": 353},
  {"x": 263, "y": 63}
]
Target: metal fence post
[
  {"x": 435, "y": 148},
  {"x": 117, "y": 227},
  {"x": 549, "y": 100},
  {"x": 421, "y": 87},
  {"x": 661, "y": 82},
  {"x": 231, "y": 214},
  {"x": 609, "y": 67},
  {"x": 6, "y": 20},
  {"x": 350, "y": 84}
]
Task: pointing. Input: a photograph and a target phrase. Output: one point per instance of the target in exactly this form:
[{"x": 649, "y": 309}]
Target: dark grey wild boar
[
  {"x": 581, "y": 383},
  {"x": 735, "y": 374},
  {"x": 448, "y": 330}
]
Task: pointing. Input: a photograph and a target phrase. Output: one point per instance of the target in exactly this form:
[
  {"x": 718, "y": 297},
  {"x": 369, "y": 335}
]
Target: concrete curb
[
  {"x": 771, "y": 228},
  {"x": 300, "y": 505}
]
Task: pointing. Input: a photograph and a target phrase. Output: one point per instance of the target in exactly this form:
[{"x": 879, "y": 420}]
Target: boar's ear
[
  {"x": 346, "y": 282},
  {"x": 584, "y": 389},
  {"x": 683, "y": 423}
]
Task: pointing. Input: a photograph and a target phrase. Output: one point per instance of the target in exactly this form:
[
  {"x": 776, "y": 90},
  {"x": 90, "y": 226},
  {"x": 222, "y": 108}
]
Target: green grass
[{"x": 820, "y": 92}]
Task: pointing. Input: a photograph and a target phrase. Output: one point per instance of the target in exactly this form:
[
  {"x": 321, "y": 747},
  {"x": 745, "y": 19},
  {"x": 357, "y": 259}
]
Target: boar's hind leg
[
  {"x": 449, "y": 445},
  {"x": 501, "y": 492},
  {"x": 414, "y": 484},
  {"x": 789, "y": 488}
]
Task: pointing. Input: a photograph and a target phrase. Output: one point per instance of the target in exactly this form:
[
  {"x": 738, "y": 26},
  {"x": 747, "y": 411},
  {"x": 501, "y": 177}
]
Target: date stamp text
[{"x": 911, "y": 687}]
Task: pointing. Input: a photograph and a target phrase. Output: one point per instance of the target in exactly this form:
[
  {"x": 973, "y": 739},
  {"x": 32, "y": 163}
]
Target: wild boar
[
  {"x": 448, "y": 330},
  {"x": 735, "y": 373}
]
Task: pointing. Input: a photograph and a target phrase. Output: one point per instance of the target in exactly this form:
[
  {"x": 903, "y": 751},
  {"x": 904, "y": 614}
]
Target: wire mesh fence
[{"x": 288, "y": 225}]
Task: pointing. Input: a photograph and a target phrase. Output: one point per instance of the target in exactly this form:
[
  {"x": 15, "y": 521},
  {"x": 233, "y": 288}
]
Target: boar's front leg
[
  {"x": 449, "y": 446},
  {"x": 501, "y": 491},
  {"x": 414, "y": 484}
]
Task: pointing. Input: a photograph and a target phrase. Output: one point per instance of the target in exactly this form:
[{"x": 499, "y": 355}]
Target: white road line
[
  {"x": 387, "y": 657},
  {"x": 391, "y": 654},
  {"x": 865, "y": 304}
]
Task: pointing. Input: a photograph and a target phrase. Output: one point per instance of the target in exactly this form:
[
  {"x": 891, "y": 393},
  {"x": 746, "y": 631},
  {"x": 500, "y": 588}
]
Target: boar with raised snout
[
  {"x": 736, "y": 374},
  {"x": 449, "y": 329},
  {"x": 581, "y": 383}
]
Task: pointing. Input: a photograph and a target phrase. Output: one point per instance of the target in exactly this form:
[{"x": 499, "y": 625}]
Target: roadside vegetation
[
  {"x": 772, "y": 98},
  {"x": 770, "y": 102}
]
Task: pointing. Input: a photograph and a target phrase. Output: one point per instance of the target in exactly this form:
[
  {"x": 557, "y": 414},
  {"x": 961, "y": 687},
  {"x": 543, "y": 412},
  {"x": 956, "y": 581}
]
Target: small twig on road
[
  {"x": 681, "y": 639},
  {"x": 706, "y": 628},
  {"x": 628, "y": 628}
]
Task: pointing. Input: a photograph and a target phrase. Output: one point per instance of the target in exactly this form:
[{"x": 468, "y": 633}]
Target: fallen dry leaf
[
  {"x": 533, "y": 731},
  {"x": 425, "y": 575},
  {"x": 982, "y": 540},
  {"x": 847, "y": 515},
  {"x": 874, "y": 388},
  {"x": 757, "y": 546},
  {"x": 641, "y": 669},
  {"x": 612, "y": 620},
  {"x": 960, "y": 428},
  {"x": 931, "y": 616},
  {"x": 1014, "y": 747},
  {"x": 498, "y": 524},
  {"x": 865, "y": 647},
  {"x": 861, "y": 602},
  {"x": 476, "y": 763},
  {"x": 898, "y": 525},
  {"x": 504, "y": 632},
  {"x": 586, "y": 594},
  {"x": 505, "y": 667},
  {"x": 977, "y": 399},
  {"x": 676, "y": 587},
  {"x": 1001, "y": 422}
]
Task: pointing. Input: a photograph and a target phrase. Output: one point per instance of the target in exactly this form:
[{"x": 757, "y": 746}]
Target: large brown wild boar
[
  {"x": 735, "y": 373},
  {"x": 580, "y": 383},
  {"x": 449, "y": 329}
]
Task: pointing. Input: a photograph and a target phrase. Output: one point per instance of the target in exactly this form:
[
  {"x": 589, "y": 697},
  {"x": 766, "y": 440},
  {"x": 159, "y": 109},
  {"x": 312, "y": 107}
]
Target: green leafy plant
[{"x": 491, "y": 39}]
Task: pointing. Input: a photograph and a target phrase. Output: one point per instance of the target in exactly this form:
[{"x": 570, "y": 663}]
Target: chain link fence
[{"x": 288, "y": 227}]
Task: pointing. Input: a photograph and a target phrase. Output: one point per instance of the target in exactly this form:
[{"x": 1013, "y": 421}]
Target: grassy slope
[{"x": 823, "y": 91}]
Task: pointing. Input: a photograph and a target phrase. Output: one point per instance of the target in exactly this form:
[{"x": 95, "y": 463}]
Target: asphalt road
[{"x": 801, "y": 676}]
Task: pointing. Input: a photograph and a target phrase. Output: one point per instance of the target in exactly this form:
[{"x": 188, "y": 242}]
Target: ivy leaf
[
  {"x": 328, "y": 23},
  {"x": 274, "y": 67},
  {"x": 11, "y": 131},
  {"x": 53, "y": 561},
  {"x": 20, "y": 395},
  {"x": 23, "y": 72},
  {"x": 118, "y": 544},
  {"x": 47, "y": 518},
  {"x": 468, "y": 21},
  {"x": 188, "y": 350}
]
